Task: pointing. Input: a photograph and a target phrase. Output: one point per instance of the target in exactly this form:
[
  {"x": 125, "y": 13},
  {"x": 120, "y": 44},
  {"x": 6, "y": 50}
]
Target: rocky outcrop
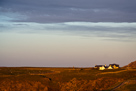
[{"x": 132, "y": 64}]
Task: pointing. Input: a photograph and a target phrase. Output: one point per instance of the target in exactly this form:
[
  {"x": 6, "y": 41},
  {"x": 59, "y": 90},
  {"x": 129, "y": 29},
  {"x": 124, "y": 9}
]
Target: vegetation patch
[{"x": 62, "y": 79}]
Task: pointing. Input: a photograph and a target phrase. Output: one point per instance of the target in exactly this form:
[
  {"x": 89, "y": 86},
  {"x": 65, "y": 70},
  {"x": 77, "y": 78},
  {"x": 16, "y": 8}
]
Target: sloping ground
[
  {"x": 99, "y": 84},
  {"x": 11, "y": 85},
  {"x": 132, "y": 65},
  {"x": 74, "y": 84},
  {"x": 129, "y": 85},
  {"x": 62, "y": 79},
  {"x": 113, "y": 72},
  {"x": 25, "y": 84},
  {"x": 118, "y": 71}
]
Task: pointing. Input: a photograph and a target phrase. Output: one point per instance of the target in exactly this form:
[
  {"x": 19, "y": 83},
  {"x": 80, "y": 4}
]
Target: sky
[{"x": 67, "y": 33}]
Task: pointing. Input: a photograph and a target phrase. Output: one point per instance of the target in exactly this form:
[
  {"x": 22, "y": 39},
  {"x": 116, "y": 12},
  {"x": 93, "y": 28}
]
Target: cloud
[
  {"x": 109, "y": 31},
  {"x": 105, "y": 30},
  {"x": 110, "y": 19},
  {"x": 51, "y": 11}
]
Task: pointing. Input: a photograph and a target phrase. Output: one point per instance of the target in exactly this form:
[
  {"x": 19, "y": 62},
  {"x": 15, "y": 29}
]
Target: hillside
[
  {"x": 66, "y": 79},
  {"x": 132, "y": 64}
]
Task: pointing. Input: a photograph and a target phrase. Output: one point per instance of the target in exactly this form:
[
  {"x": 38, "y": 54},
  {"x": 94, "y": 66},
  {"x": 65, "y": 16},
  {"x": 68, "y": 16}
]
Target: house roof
[
  {"x": 99, "y": 65},
  {"x": 114, "y": 64},
  {"x": 106, "y": 66}
]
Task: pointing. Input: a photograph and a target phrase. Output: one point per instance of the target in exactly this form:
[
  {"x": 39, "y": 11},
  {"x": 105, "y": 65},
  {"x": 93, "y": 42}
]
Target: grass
[
  {"x": 21, "y": 71},
  {"x": 66, "y": 75},
  {"x": 113, "y": 86},
  {"x": 129, "y": 86},
  {"x": 127, "y": 74},
  {"x": 52, "y": 77}
]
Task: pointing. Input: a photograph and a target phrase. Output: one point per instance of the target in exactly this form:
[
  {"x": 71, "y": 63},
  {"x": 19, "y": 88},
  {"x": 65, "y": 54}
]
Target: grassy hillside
[
  {"x": 132, "y": 65},
  {"x": 64, "y": 79}
]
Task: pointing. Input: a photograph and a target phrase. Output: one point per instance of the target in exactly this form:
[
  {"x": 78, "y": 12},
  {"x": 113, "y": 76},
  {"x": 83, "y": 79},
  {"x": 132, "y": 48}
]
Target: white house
[
  {"x": 102, "y": 68},
  {"x": 115, "y": 66},
  {"x": 110, "y": 67}
]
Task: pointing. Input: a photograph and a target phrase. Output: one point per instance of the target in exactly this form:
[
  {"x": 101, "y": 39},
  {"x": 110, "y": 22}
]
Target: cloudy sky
[{"x": 67, "y": 33}]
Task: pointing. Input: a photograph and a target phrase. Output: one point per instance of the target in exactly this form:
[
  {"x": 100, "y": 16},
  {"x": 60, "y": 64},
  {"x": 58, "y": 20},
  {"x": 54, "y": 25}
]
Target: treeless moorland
[{"x": 64, "y": 79}]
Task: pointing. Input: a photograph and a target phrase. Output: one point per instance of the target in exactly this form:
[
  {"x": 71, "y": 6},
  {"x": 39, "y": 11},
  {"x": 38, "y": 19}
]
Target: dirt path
[
  {"x": 114, "y": 72},
  {"x": 118, "y": 71}
]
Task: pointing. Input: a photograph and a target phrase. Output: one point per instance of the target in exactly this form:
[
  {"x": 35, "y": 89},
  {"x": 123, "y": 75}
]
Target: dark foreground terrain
[{"x": 66, "y": 79}]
